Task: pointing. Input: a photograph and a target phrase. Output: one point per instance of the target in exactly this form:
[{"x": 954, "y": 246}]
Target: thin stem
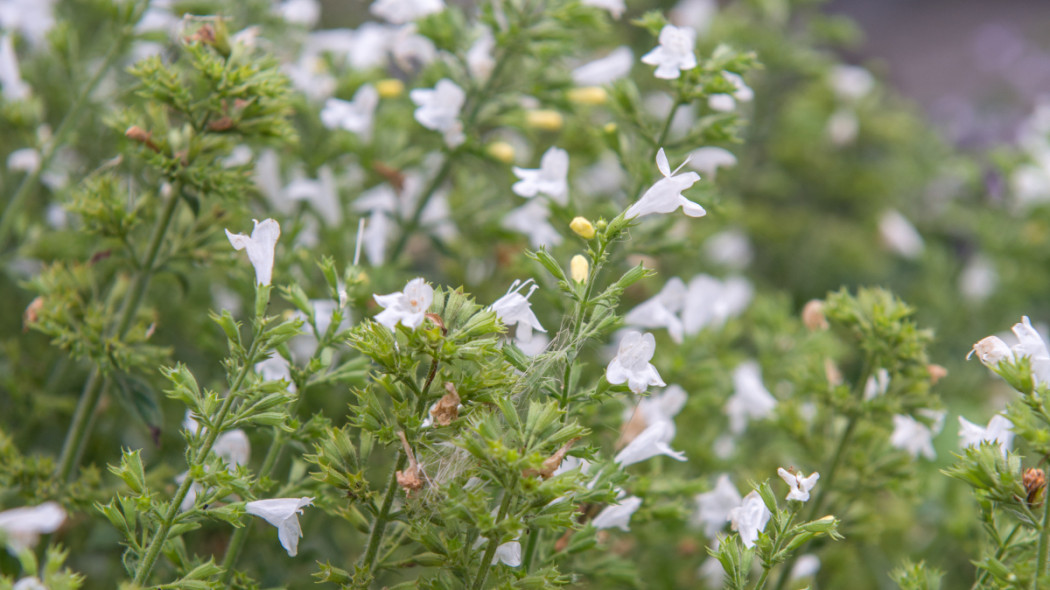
[
  {"x": 80, "y": 429},
  {"x": 530, "y": 548},
  {"x": 376, "y": 536},
  {"x": 1044, "y": 538},
  {"x": 983, "y": 573},
  {"x": 57, "y": 140},
  {"x": 161, "y": 536},
  {"x": 490, "y": 551},
  {"x": 658, "y": 143}
]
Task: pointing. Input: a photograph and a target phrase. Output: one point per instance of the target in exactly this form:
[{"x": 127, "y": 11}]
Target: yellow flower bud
[
  {"x": 390, "y": 88},
  {"x": 579, "y": 268},
  {"x": 589, "y": 95},
  {"x": 609, "y": 127},
  {"x": 501, "y": 150},
  {"x": 545, "y": 119},
  {"x": 582, "y": 227}
]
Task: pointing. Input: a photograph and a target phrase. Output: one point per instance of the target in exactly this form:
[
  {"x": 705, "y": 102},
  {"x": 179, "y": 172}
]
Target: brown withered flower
[
  {"x": 550, "y": 464},
  {"x": 1035, "y": 485},
  {"x": 813, "y": 316},
  {"x": 409, "y": 479},
  {"x": 447, "y": 408}
]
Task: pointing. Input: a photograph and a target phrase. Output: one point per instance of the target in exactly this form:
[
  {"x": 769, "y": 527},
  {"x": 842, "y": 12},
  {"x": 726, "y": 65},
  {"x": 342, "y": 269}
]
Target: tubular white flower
[
  {"x": 408, "y": 307},
  {"x": 606, "y": 70},
  {"x": 999, "y": 430},
  {"x": 661, "y": 311},
  {"x": 14, "y": 88},
  {"x": 531, "y": 220},
  {"x": 666, "y": 195},
  {"x": 549, "y": 179},
  {"x": 631, "y": 364},
  {"x": 400, "y": 12},
  {"x": 663, "y": 406},
  {"x": 354, "y": 115},
  {"x": 282, "y": 513},
  {"x": 618, "y": 515},
  {"x": 750, "y": 518},
  {"x": 260, "y": 247},
  {"x": 915, "y": 437},
  {"x": 674, "y": 54},
  {"x": 515, "y": 309},
  {"x": 800, "y": 486},
  {"x": 654, "y": 440},
  {"x": 438, "y": 109},
  {"x": 1031, "y": 345},
  {"x": 991, "y": 351},
  {"x": 713, "y": 508},
  {"x": 710, "y": 302},
  {"x": 750, "y": 400},
  {"x": 900, "y": 236},
  {"x": 877, "y": 384},
  {"x": 23, "y": 526}
]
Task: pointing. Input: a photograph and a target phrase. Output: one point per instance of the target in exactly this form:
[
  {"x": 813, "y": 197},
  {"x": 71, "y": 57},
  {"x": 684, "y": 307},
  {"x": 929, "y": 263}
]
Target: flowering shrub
[{"x": 479, "y": 333}]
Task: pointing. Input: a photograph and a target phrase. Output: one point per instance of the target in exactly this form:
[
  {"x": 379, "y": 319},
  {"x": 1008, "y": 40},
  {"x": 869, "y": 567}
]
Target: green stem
[
  {"x": 530, "y": 548},
  {"x": 1044, "y": 538},
  {"x": 983, "y": 573},
  {"x": 490, "y": 551},
  {"x": 376, "y": 536},
  {"x": 161, "y": 536},
  {"x": 80, "y": 429},
  {"x": 657, "y": 144},
  {"x": 58, "y": 139}
]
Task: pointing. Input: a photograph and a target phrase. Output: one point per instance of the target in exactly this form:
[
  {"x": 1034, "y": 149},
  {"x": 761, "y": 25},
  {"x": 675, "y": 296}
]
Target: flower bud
[
  {"x": 609, "y": 128},
  {"x": 136, "y": 133},
  {"x": 588, "y": 95},
  {"x": 936, "y": 372},
  {"x": 579, "y": 268},
  {"x": 813, "y": 316},
  {"x": 501, "y": 150},
  {"x": 582, "y": 227},
  {"x": 544, "y": 119},
  {"x": 390, "y": 88},
  {"x": 991, "y": 351},
  {"x": 1034, "y": 483}
]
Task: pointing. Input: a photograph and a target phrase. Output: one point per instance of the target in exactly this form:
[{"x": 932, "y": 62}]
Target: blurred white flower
[
  {"x": 710, "y": 302},
  {"x": 707, "y": 160},
  {"x": 310, "y": 75},
  {"x": 31, "y": 583},
  {"x": 712, "y": 572},
  {"x": 712, "y": 508},
  {"x": 750, "y": 518},
  {"x": 654, "y": 440},
  {"x": 438, "y": 109},
  {"x": 300, "y": 12},
  {"x": 24, "y": 160},
  {"x": 274, "y": 368},
  {"x": 407, "y": 307},
  {"x": 991, "y": 351},
  {"x": 612, "y": 67},
  {"x": 851, "y": 83},
  {"x": 410, "y": 50},
  {"x": 515, "y": 308},
  {"x": 1031, "y": 345},
  {"x": 618, "y": 515},
  {"x": 899, "y": 235},
  {"x": 400, "y": 12},
  {"x": 354, "y": 115},
  {"x": 536, "y": 345},
  {"x": 615, "y": 7},
  {"x": 730, "y": 248},
  {"x": 661, "y": 311},
  {"x": 531, "y": 219},
  {"x": 674, "y": 54},
  {"x": 806, "y": 566},
  {"x": 979, "y": 279},
  {"x": 631, "y": 364},
  {"x": 23, "y": 526},
  {"x": 877, "y": 384},
  {"x": 508, "y": 553},
  {"x": 260, "y": 247},
  {"x": 727, "y": 102},
  {"x": 31, "y": 18},
  {"x": 696, "y": 14},
  {"x": 282, "y": 513},
  {"x": 663, "y": 406},
  {"x": 322, "y": 194},
  {"x": 14, "y": 88},
  {"x": 843, "y": 126},
  {"x": 480, "y": 61},
  {"x": 750, "y": 400},
  {"x": 800, "y": 486},
  {"x": 666, "y": 195},
  {"x": 999, "y": 430},
  {"x": 915, "y": 437},
  {"x": 550, "y": 179},
  {"x": 233, "y": 447}
]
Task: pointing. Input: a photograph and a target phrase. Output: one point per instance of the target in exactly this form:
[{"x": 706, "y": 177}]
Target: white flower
[
  {"x": 750, "y": 518},
  {"x": 233, "y": 447},
  {"x": 899, "y": 235},
  {"x": 674, "y": 54},
  {"x": 661, "y": 311},
  {"x": 979, "y": 279},
  {"x": 606, "y": 70},
  {"x": 666, "y": 195},
  {"x": 260, "y": 247},
  {"x": 282, "y": 513},
  {"x": 31, "y": 18},
  {"x": 631, "y": 364},
  {"x": 31, "y": 583},
  {"x": 663, "y": 406},
  {"x": 618, "y": 515},
  {"x": 10, "y": 75},
  {"x": 877, "y": 384},
  {"x": 24, "y": 160},
  {"x": 354, "y": 115},
  {"x": 807, "y": 566},
  {"x": 479, "y": 57},
  {"x": 697, "y": 14},
  {"x": 710, "y": 302},
  {"x": 843, "y": 126},
  {"x": 531, "y": 219},
  {"x": 915, "y": 437},
  {"x": 750, "y": 400},
  {"x": 515, "y": 308},
  {"x": 999, "y": 430},
  {"x": 654, "y": 440},
  {"x": 730, "y": 248},
  {"x": 23, "y": 526},
  {"x": 991, "y": 351},
  {"x": 439, "y": 109},
  {"x": 407, "y": 307},
  {"x": 549, "y": 179},
  {"x": 508, "y": 553},
  {"x": 300, "y": 12},
  {"x": 851, "y": 82},
  {"x": 712, "y": 508},
  {"x": 727, "y": 102},
  {"x": 400, "y": 12},
  {"x": 800, "y": 486},
  {"x": 386, "y": 204},
  {"x": 1031, "y": 345},
  {"x": 615, "y": 7},
  {"x": 410, "y": 50},
  {"x": 322, "y": 194},
  {"x": 707, "y": 160}
]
